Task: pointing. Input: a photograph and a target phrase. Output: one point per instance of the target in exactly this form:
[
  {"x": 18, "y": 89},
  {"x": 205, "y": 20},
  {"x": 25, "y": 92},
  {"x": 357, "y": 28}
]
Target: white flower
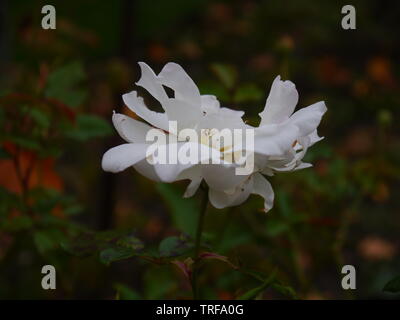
[
  {"x": 189, "y": 109},
  {"x": 280, "y": 143}
]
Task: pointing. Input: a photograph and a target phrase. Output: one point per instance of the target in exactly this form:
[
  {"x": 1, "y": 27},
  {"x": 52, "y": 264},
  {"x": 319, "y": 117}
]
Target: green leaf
[
  {"x": 393, "y": 285},
  {"x": 215, "y": 88},
  {"x": 83, "y": 245},
  {"x": 130, "y": 242},
  {"x": 17, "y": 224},
  {"x": 125, "y": 293},
  {"x": 112, "y": 245},
  {"x": 115, "y": 254},
  {"x": 226, "y": 74},
  {"x": 285, "y": 290},
  {"x": 234, "y": 235},
  {"x": 253, "y": 293},
  {"x": 88, "y": 126},
  {"x": 10, "y": 201},
  {"x": 247, "y": 92},
  {"x": 25, "y": 142},
  {"x": 41, "y": 118},
  {"x": 62, "y": 84},
  {"x": 276, "y": 227},
  {"x": 216, "y": 256},
  {"x": 174, "y": 246},
  {"x": 44, "y": 241},
  {"x": 284, "y": 206},
  {"x": 184, "y": 211},
  {"x": 158, "y": 281}
]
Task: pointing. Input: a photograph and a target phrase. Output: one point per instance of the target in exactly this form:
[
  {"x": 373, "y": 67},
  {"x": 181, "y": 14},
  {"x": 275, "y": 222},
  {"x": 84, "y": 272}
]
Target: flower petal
[
  {"x": 179, "y": 111},
  {"x": 130, "y": 129},
  {"x": 173, "y": 76},
  {"x": 209, "y": 104},
  {"x": 222, "y": 176},
  {"x": 192, "y": 187},
  {"x": 281, "y": 102},
  {"x": 302, "y": 165},
  {"x": 147, "y": 170},
  {"x": 274, "y": 139},
  {"x": 314, "y": 137},
  {"x": 151, "y": 83},
  {"x": 137, "y": 105},
  {"x": 173, "y": 172},
  {"x": 123, "y": 156},
  {"x": 262, "y": 187},
  {"x": 222, "y": 120},
  {"x": 223, "y": 199},
  {"x": 307, "y": 119}
]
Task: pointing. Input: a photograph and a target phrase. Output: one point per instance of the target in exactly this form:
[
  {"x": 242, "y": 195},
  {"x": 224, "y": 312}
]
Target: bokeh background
[{"x": 58, "y": 89}]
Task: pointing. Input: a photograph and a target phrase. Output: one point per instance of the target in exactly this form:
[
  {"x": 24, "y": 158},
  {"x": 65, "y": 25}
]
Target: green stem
[{"x": 199, "y": 231}]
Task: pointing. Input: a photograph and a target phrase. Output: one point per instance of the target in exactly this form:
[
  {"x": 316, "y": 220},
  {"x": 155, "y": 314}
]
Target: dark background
[{"x": 59, "y": 87}]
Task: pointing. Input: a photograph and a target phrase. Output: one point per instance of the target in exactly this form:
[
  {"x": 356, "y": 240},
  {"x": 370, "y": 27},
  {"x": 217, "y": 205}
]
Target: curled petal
[
  {"x": 173, "y": 76},
  {"x": 281, "y": 102},
  {"x": 123, "y": 156},
  {"x": 137, "y": 105},
  {"x": 302, "y": 165},
  {"x": 262, "y": 187},
  {"x": 179, "y": 111},
  {"x": 222, "y": 176},
  {"x": 151, "y": 83},
  {"x": 130, "y": 129},
  {"x": 192, "y": 187},
  {"x": 314, "y": 137},
  {"x": 209, "y": 104},
  {"x": 147, "y": 170},
  {"x": 169, "y": 172},
  {"x": 307, "y": 119},
  {"x": 275, "y": 140},
  {"x": 223, "y": 199}
]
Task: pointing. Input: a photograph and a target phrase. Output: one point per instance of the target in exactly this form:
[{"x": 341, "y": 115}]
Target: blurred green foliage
[{"x": 125, "y": 237}]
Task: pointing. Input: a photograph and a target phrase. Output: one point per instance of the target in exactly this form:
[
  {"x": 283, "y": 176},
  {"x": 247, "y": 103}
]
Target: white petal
[
  {"x": 180, "y": 111},
  {"x": 193, "y": 174},
  {"x": 222, "y": 120},
  {"x": 307, "y": 119},
  {"x": 275, "y": 140},
  {"x": 137, "y": 105},
  {"x": 314, "y": 137},
  {"x": 130, "y": 129},
  {"x": 302, "y": 165},
  {"x": 173, "y": 172},
  {"x": 209, "y": 104},
  {"x": 173, "y": 76},
  {"x": 231, "y": 113},
  {"x": 222, "y": 177},
  {"x": 192, "y": 187},
  {"x": 286, "y": 162},
  {"x": 147, "y": 170},
  {"x": 281, "y": 102},
  {"x": 267, "y": 171},
  {"x": 262, "y": 187},
  {"x": 151, "y": 83},
  {"x": 123, "y": 156},
  {"x": 223, "y": 199}
]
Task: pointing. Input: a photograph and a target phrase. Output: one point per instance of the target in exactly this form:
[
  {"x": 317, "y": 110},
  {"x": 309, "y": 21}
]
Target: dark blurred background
[{"x": 58, "y": 89}]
